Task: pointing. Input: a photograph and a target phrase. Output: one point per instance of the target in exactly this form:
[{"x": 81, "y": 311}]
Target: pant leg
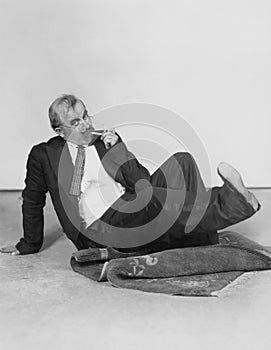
[
  {"x": 226, "y": 207},
  {"x": 204, "y": 211},
  {"x": 179, "y": 179},
  {"x": 181, "y": 172},
  {"x": 177, "y": 172}
]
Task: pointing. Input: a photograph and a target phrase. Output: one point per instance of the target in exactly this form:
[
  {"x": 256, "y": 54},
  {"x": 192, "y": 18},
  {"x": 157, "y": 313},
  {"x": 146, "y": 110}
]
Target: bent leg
[
  {"x": 227, "y": 207},
  {"x": 177, "y": 172},
  {"x": 180, "y": 172},
  {"x": 211, "y": 210}
]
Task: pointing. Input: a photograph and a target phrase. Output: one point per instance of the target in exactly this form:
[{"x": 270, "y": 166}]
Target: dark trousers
[
  {"x": 205, "y": 210},
  {"x": 191, "y": 214}
]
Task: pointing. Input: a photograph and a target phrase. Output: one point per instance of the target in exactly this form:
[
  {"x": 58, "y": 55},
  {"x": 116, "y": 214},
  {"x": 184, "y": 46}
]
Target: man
[{"x": 76, "y": 164}]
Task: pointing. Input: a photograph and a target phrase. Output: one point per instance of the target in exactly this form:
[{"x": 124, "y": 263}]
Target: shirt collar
[{"x": 73, "y": 145}]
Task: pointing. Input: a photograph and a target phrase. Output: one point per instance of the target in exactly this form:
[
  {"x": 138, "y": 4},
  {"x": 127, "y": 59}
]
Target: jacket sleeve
[
  {"x": 34, "y": 198},
  {"x": 128, "y": 170}
]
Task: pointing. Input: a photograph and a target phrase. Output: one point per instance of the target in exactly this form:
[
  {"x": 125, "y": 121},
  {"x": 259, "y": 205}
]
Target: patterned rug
[{"x": 193, "y": 271}]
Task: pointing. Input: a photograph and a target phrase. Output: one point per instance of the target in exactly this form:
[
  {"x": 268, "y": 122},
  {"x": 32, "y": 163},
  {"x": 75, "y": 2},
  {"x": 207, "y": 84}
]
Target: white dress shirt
[{"x": 98, "y": 190}]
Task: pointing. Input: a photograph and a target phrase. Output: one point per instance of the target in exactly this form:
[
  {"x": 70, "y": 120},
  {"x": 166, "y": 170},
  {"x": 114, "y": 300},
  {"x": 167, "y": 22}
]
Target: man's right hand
[{"x": 10, "y": 248}]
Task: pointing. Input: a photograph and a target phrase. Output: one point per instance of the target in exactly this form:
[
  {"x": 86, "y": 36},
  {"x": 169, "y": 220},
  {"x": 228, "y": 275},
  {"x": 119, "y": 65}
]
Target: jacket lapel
[{"x": 60, "y": 160}]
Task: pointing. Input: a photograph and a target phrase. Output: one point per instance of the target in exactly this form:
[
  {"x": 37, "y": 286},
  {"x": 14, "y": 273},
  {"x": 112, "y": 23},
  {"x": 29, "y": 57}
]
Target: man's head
[{"x": 70, "y": 120}]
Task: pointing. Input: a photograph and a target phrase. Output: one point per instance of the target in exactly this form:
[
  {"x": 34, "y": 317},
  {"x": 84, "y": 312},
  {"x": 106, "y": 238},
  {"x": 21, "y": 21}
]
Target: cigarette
[{"x": 96, "y": 132}]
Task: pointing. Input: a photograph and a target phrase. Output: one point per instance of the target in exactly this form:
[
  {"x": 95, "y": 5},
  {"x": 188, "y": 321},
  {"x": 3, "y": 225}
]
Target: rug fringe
[{"x": 103, "y": 273}]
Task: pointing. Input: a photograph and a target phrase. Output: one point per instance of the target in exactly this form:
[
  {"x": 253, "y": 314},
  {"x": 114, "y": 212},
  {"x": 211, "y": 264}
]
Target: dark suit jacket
[{"x": 50, "y": 168}]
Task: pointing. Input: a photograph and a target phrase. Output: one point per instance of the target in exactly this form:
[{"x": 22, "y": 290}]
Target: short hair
[{"x": 59, "y": 107}]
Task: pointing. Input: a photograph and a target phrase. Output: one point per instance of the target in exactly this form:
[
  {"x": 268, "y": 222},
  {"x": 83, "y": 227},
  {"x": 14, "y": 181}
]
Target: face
[{"x": 76, "y": 125}]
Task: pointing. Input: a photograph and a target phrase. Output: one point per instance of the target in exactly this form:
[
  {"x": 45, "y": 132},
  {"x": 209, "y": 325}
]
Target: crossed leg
[{"x": 203, "y": 211}]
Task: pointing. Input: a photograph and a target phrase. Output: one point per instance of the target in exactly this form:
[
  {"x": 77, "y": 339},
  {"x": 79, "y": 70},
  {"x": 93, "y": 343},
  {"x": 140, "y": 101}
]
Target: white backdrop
[{"x": 206, "y": 60}]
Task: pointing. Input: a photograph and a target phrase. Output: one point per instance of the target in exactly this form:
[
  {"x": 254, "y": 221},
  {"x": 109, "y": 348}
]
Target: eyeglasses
[{"x": 77, "y": 123}]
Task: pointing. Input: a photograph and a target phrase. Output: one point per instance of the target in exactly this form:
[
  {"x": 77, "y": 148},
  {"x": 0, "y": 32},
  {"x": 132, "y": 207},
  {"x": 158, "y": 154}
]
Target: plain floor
[{"x": 45, "y": 305}]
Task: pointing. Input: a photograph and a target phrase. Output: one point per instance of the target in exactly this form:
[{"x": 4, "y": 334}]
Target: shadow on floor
[{"x": 51, "y": 238}]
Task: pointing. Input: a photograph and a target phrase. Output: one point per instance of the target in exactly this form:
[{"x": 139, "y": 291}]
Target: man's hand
[
  {"x": 109, "y": 138},
  {"x": 10, "y": 248}
]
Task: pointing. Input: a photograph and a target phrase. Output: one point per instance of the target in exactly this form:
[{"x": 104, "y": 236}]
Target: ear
[{"x": 59, "y": 132}]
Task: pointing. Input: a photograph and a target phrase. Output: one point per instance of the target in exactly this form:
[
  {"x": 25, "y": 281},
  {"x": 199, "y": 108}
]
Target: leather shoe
[{"x": 232, "y": 177}]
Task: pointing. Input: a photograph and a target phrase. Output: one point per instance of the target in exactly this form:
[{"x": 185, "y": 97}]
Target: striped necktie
[{"x": 78, "y": 171}]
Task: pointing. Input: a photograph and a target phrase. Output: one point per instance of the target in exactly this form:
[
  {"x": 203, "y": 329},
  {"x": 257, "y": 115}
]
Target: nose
[{"x": 85, "y": 125}]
